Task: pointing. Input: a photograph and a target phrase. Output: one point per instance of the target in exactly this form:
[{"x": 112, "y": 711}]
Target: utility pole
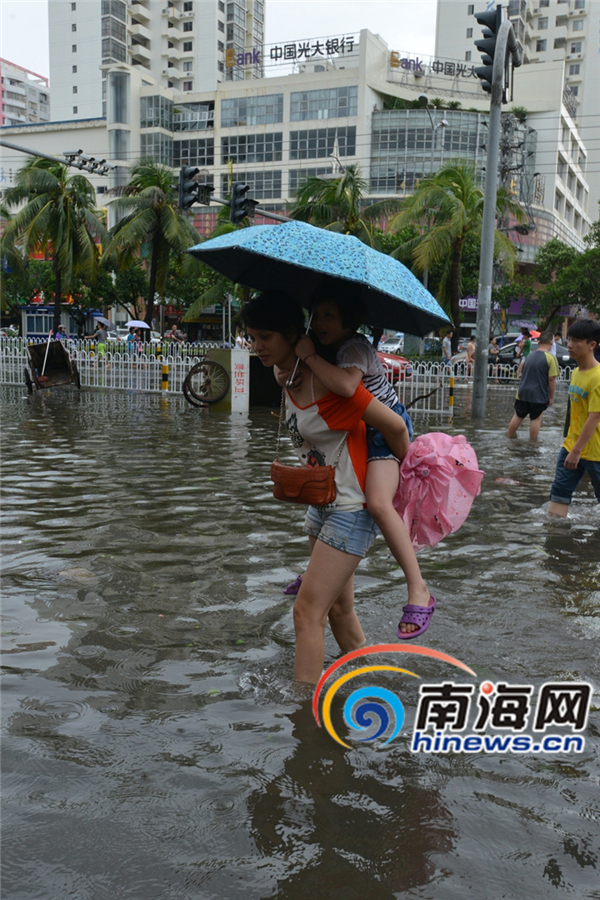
[{"x": 499, "y": 40}]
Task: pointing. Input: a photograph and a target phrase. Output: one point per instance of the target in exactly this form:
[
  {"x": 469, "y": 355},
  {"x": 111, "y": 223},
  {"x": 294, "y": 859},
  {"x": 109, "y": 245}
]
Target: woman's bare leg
[
  {"x": 381, "y": 487},
  {"x": 325, "y": 580}
]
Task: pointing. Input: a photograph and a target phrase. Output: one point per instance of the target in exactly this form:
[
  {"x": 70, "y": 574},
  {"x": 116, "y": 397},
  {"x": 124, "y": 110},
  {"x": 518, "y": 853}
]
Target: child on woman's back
[{"x": 334, "y": 324}]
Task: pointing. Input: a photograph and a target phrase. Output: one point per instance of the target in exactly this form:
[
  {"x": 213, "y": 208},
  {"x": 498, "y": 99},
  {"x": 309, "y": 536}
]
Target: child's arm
[
  {"x": 390, "y": 425},
  {"x": 341, "y": 381},
  {"x": 591, "y": 423}
]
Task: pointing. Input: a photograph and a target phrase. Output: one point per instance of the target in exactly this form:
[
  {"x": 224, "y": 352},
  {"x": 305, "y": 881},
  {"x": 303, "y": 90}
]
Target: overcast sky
[{"x": 404, "y": 24}]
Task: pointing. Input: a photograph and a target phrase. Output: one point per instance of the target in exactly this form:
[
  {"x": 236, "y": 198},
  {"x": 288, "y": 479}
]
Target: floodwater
[{"x": 153, "y": 744}]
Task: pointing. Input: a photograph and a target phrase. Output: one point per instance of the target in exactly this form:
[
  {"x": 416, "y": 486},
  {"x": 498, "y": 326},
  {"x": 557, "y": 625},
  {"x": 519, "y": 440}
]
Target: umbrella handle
[
  {"x": 47, "y": 348},
  {"x": 290, "y": 382}
]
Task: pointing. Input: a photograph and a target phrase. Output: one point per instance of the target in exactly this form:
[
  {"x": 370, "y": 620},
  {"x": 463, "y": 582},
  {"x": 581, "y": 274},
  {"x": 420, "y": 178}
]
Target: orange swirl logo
[{"x": 371, "y": 711}]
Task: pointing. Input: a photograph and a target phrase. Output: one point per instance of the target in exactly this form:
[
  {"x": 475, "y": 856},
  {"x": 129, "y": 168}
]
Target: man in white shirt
[{"x": 447, "y": 348}]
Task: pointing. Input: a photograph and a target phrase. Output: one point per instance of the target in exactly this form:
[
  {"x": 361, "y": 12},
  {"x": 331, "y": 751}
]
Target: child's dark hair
[
  {"x": 274, "y": 310},
  {"x": 351, "y": 307},
  {"x": 585, "y": 330}
]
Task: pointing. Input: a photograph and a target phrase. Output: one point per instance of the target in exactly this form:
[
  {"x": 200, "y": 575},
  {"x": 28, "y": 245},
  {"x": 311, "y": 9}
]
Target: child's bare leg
[
  {"x": 381, "y": 486},
  {"x": 558, "y": 509},
  {"x": 513, "y": 425},
  {"x": 324, "y": 581}
]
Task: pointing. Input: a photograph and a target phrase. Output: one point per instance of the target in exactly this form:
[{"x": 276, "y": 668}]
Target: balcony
[
  {"x": 171, "y": 53},
  {"x": 171, "y": 13},
  {"x": 139, "y": 11},
  {"x": 138, "y": 51},
  {"x": 173, "y": 33},
  {"x": 173, "y": 72},
  {"x": 140, "y": 31}
]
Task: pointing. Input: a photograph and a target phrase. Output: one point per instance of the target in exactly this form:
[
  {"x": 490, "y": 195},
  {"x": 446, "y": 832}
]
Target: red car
[{"x": 397, "y": 368}]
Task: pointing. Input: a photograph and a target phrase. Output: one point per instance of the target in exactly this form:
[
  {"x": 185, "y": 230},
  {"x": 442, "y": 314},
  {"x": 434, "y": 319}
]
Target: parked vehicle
[
  {"x": 392, "y": 345},
  {"x": 509, "y": 361},
  {"x": 397, "y": 368}
]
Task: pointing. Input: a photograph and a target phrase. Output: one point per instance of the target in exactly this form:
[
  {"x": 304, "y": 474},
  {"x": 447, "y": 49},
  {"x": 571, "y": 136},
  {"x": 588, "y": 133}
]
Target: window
[
  {"x": 188, "y": 6},
  {"x": 299, "y": 177},
  {"x": 221, "y": 26},
  {"x": 188, "y": 26},
  {"x": 319, "y": 143},
  {"x": 221, "y": 6},
  {"x": 195, "y": 152},
  {"x": 578, "y": 25},
  {"x": 156, "y": 112},
  {"x": 571, "y": 181},
  {"x": 112, "y": 50},
  {"x": 471, "y": 9},
  {"x": 118, "y": 87},
  {"x": 558, "y": 201},
  {"x": 579, "y": 192},
  {"x": 157, "y": 147},
  {"x": 220, "y": 46},
  {"x": 562, "y": 167},
  {"x": 574, "y": 89},
  {"x": 579, "y": 4},
  {"x": 114, "y": 8},
  {"x": 74, "y": 69},
  {"x": 75, "y": 108},
  {"x": 327, "y": 103},
  {"x": 540, "y": 46},
  {"x": 73, "y": 27},
  {"x": 544, "y": 3},
  {"x": 574, "y": 70},
  {"x": 119, "y": 144},
  {"x": 576, "y": 47},
  {"x": 565, "y": 135},
  {"x": 568, "y": 211},
  {"x": 187, "y": 85},
  {"x": 188, "y": 66},
  {"x": 74, "y": 88},
  {"x": 469, "y": 32},
  {"x": 187, "y": 46},
  {"x": 543, "y": 23},
  {"x": 263, "y": 185},
  {"x": 73, "y": 7},
  {"x": 252, "y": 148},
  {"x": 220, "y": 65},
  {"x": 263, "y": 110},
  {"x": 467, "y": 56}
]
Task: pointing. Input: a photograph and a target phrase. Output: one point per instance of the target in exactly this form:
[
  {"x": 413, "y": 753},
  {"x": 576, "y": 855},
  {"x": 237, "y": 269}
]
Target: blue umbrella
[{"x": 298, "y": 258}]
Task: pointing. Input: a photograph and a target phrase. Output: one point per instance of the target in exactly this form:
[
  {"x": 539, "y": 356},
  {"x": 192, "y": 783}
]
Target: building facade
[
  {"x": 185, "y": 45},
  {"x": 274, "y": 132},
  {"x": 24, "y": 97},
  {"x": 550, "y": 31}
]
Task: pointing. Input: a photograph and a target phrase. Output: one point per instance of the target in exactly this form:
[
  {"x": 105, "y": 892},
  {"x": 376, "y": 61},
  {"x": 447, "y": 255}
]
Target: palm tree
[
  {"x": 448, "y": 207},
  {"x": 336, "y": 204},
  {"x": 149, "y": 214},
  {"x": 59, "y": 218}
]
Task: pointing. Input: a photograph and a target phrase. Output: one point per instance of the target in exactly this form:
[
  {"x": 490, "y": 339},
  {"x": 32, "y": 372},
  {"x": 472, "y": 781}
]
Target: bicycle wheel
[
  {"x": 195, "y": 403},
  {"x": 207, "y": 382}
]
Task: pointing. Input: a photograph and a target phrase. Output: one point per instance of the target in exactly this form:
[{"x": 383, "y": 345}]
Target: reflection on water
[{"x": 153, "y": 746}]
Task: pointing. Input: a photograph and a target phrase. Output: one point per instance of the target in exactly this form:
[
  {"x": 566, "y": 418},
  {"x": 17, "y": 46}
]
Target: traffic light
[
  {"x": 492, "y": 20},
  {"x": 238, "y": 203},
  {"x": 188, "y": 188}
]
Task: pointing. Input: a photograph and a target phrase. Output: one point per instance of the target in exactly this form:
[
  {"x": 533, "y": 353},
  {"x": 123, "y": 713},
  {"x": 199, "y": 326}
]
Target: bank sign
[{"x": 294, "y": 51}]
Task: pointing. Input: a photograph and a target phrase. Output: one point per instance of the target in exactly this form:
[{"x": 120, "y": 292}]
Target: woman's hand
[
  {"x": 305, "y": 347},
  {"x": 282, "y": 375}
]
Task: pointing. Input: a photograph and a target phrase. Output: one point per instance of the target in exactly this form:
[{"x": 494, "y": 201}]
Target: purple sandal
[
  {"x": 416, "y": 615},
  {"x": 294, "y": 586}
]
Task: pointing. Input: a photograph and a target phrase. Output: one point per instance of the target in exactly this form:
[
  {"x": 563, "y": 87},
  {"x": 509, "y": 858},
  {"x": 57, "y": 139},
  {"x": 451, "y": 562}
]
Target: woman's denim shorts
[
  {"x": 376, "y": 445},
  {"x": 350, "y": 532}
]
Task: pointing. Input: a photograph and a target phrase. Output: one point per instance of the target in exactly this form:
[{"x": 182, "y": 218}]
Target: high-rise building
[
  {"x": 549, "y": 31},
  {"x": 186, "y": 45},
  {"x": 25, "y": 96}
]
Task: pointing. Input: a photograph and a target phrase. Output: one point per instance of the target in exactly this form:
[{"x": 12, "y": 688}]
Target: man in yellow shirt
[{"x": 580, "y": 452}]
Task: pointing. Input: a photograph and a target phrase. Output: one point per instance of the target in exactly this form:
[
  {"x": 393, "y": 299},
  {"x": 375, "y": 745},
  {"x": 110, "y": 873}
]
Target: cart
[{"x": 60, "y": 368}]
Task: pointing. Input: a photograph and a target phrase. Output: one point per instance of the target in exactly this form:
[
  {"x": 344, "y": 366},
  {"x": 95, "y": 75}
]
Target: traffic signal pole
[{"x": 506, "y": 42}]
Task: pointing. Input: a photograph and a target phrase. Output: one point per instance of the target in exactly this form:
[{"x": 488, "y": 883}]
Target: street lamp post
[{"x": 424, "y": 101}]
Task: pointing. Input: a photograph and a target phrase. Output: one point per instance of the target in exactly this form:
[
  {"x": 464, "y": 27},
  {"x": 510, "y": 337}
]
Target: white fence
[{"x": 431, "y": 387}]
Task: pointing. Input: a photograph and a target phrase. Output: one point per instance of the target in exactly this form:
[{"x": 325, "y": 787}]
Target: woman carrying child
[
  {"x": 334, "y": 323},
  {"x": 323, "y": 426}
]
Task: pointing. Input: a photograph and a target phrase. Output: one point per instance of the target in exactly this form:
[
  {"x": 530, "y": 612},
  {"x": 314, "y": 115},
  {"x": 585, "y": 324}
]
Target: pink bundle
[{"x": 439, "y": 479}]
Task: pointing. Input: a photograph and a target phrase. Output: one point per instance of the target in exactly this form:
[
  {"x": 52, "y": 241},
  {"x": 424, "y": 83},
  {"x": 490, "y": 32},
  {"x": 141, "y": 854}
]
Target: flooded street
[{"x": 153, "y": 746}]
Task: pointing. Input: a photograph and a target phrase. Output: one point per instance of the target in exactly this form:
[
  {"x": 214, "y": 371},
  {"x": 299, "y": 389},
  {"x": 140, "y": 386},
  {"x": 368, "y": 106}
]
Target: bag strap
[{"x": 279, "y": 424}]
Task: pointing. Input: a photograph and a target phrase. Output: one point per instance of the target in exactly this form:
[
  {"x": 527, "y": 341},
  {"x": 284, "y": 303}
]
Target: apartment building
[
  {"x": 566, "y": 31},
  {"x": 24, "y": 95},
  {"x": 185, "y": 45},
  {"x": 334, "y": 110}
]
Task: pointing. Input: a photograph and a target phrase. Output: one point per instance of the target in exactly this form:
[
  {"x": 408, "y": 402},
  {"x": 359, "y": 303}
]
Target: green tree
[
  {"x": 447, "y": 208},
  {"x": 148, "y": 213},
  {"x": 59, "y": 218},
  {"x": 337, "y": 205}
]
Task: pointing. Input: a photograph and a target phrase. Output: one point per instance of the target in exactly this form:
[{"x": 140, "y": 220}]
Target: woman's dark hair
[
  {"x": 274, "y": 310},
  {"x": 585, "y": 330},
  {"x": 349, "y": 304}
]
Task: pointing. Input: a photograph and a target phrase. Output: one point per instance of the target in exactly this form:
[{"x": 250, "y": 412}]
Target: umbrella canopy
[
  {"x": 299, "y": 258},
  {"x": 528, "y": 325},
  {"x": 439, "y": 479},
  {"x": 104, "y": 321},
  {"x": 136, "y": 323}
]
